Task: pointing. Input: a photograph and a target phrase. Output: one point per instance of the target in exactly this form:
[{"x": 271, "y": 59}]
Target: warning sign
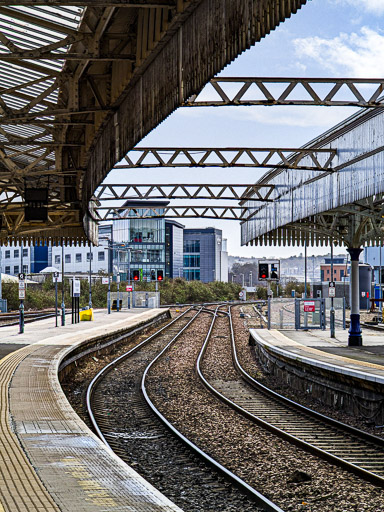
[{"x": 309, "y": 306}]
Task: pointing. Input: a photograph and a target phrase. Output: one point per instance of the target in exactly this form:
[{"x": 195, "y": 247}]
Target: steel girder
[
  {"x": 239, "y": 192},
  {"x": 248, "y": 91},
  {"x": 286, "y": 158},
  {"x": 238, "y": 213}
]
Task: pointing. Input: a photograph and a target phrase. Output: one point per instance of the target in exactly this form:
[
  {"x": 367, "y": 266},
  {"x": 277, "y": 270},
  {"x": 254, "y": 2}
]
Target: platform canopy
[
  {"x": 82, "y": 82},
  {"x": 343, "y": 205}
]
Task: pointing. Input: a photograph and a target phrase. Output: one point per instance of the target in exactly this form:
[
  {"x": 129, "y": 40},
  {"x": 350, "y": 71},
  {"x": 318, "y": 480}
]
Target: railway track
[
  {"x": 9, "y": 319},
  {"x": 352, "y": 449},
  {"x": 150, "y": 444}
]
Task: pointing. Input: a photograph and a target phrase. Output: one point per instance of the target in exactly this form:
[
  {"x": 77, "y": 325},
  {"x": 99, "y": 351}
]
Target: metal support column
[
  {"x": 118, "y": 281},
  {"x": 332, "y": 310},
  {"x": 355, "y": 338},
  {"x": 305, "y": 270},
  {"x": 380, "y": 283}
]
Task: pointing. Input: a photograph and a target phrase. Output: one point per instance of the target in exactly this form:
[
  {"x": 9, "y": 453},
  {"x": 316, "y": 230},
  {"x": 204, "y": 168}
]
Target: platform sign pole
[
  {"x": 118, "y": 293},
  {"x": 269, "y": 313},
  {"x": 109, "y": 294},
  {"x": 21, "y": 298},
  {"x": 56, "y": 275},
  {"x": 62, "y": 285}
]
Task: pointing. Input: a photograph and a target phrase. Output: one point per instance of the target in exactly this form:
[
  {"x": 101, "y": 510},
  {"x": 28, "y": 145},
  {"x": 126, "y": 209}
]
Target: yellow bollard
[{"x": 86, "y": 315}]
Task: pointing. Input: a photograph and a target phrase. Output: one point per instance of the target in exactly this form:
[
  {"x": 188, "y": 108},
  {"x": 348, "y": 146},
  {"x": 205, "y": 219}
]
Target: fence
[
  {"x": 281, "y": 313},
  {"x": 139, "y": 299},
  {"x": 339, "y": 307},
  {"x": 304, "y": 313}
]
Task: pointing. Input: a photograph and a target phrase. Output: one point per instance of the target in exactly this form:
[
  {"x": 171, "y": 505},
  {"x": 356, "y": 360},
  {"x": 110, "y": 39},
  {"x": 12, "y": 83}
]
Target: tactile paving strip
[{"x": 21, "y": 489}]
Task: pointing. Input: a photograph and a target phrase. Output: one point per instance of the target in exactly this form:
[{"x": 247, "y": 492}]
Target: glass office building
[
  {"x": 139, "y": 244},
  {"x": 205, "y": 255}
]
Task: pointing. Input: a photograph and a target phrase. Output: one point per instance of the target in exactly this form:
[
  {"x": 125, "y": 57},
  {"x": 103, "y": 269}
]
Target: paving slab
[{"x": 317, "y": 348}]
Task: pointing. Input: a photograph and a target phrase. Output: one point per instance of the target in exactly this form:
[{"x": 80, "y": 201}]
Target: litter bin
[{"x": 86, "y": 314}]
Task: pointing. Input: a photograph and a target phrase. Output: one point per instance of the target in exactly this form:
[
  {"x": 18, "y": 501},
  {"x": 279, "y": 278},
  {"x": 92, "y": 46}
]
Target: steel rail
[
  {"x": 300, "y": 409},
  {"x": 92, "y": 386},
  {"x": 259, "y": 498},
  {"x": 12, "y": 319}
]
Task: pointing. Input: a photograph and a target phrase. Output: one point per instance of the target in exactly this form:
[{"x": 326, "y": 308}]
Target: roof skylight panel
[
  {"x": 14, "y": 102},
  {"x": 21, "y": 74},
  {"x": 22, "y": 130},
  {"x": 52, "y": 14},
  {"x": 26, "y": 36}
]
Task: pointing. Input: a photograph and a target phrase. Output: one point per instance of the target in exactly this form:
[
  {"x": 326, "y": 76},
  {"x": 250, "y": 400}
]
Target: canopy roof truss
[
  {"x": 345, "y": 206},
  {"x": 286, "y": 158},
  {"x": 238, "y": 192},
  {"x": 179, "y": 212},
  {"x": 342, "y": 92},
  {"x": 82, "y": 82}
]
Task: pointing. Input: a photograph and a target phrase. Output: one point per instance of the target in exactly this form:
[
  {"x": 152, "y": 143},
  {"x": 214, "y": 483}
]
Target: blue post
[{"x": 355, "y": 338}]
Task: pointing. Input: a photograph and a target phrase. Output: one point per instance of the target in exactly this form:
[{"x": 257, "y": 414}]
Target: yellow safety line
[{"x": 20, "y": 487}]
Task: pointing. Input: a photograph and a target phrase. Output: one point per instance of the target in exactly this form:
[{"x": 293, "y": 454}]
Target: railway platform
[
  {"x": 49, "y": 459},
  {"x": 348, "y": 378}
]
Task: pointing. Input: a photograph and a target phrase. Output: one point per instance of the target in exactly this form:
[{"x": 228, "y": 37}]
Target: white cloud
[
  {"x": 292, "y": 116},
  {"x": 359, "y": 55},
  {"x": 301, "y": 117},
  {"x": 374, "y": 6}
]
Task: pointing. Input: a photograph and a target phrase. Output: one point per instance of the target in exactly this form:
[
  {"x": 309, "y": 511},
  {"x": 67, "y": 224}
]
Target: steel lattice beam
[
  {"x": 180, "y": 212},
  {"x": 287, "y": 158},
  {"x": 238, "y": 192},
  {"x": 249, "y": 91}
]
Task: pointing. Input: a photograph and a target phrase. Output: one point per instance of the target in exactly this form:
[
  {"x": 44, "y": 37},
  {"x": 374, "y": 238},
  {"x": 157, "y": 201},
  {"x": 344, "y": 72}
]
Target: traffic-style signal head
[
  {"x": 263, "y": 271},
  {"x": 136, "y": 275},
  {"x": 153, "y": 274},
  {"x": 160, "y": 275}
]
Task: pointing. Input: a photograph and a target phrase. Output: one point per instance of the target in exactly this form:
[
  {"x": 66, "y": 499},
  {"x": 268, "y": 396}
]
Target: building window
[
  {"x": 341, "y": 274},
  {"x": 101, "y": 256},
  {"x": 7, "y": 270},
  {"x": 89, "y": 256},
  {"x": 57, "y": 260},
  {"x": 67, "y": 258},
  {"x": 192, "y": 260},
  {"x": 25, "y": 269},
  {"x": 154, "y": 255},
  {"x": 16, "y": 269},
  {"x": 78, "y": 257},
  {"x": 191, "y": 274},
  {"x": 25, "y": 253},
  {"x": 327, "y": 270},
  {"x": 16, "y": 253},
  {"x": 192, "y": 246},
  {"x": 8, "y": 254}
]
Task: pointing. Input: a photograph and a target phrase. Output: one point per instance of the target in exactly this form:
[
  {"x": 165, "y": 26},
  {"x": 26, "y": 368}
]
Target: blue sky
[{"x": 326, "y": 38}]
